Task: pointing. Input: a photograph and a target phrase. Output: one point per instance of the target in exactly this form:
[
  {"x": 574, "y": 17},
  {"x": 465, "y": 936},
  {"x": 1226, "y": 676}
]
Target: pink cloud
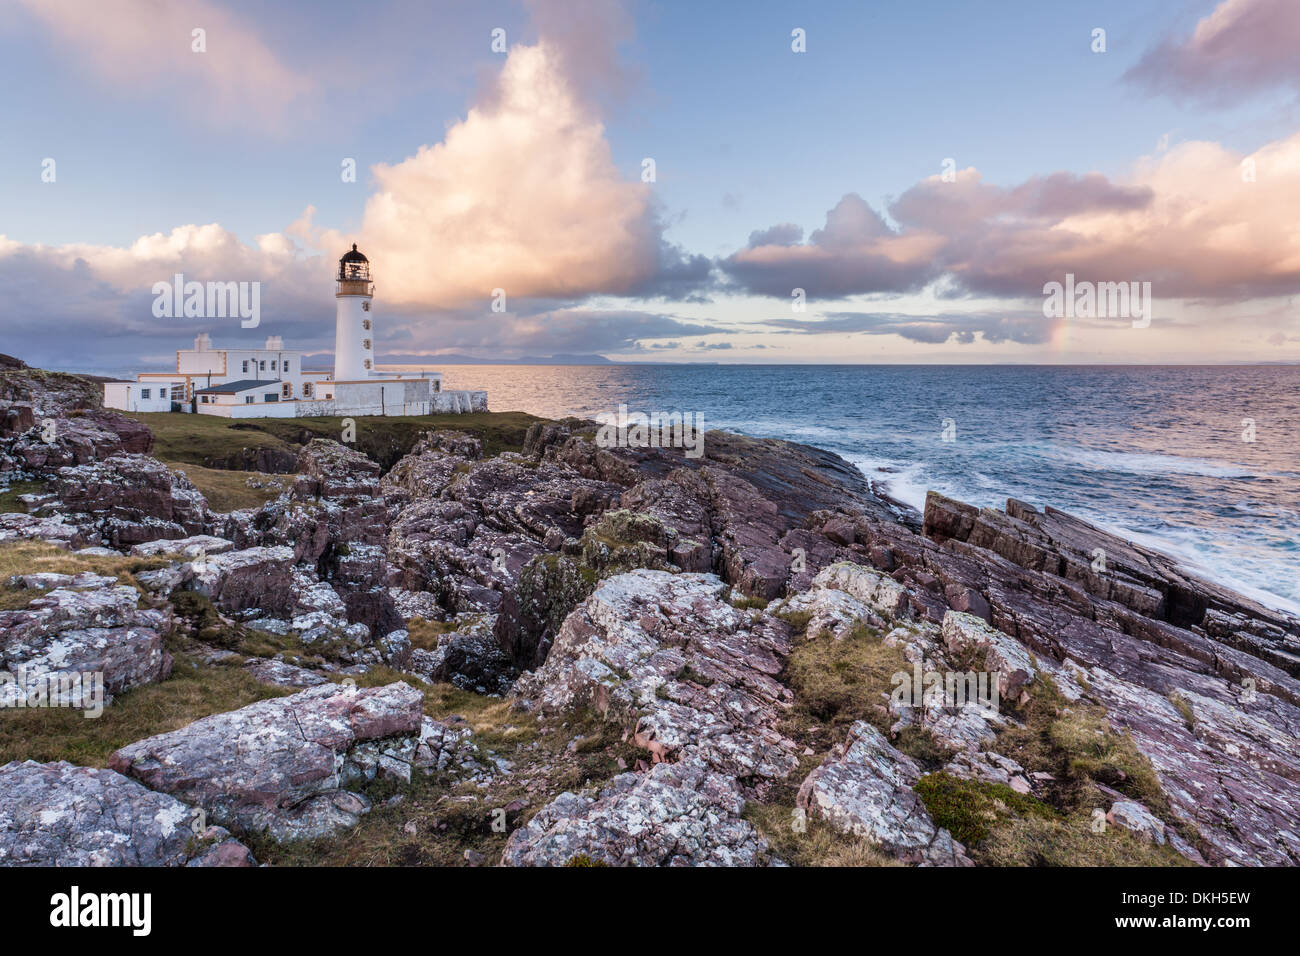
[
  {"x": 144, "y": 45},
  {"x": 1243, "y": 46},
  {"x": 1189, "y": 221}
]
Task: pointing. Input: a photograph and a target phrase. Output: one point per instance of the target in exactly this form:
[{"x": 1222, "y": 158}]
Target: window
[
  {"x": 245, "y": 366},
  {"x": 146, "y": 392},
  {"x": 306, "y": 389},
  {"x": 262, "y": 365},
  {"x": 365, "y": 344},
  {"x": 272, "y": 365},
  {"x": 285, "y": 366},
  {"x": 270, "y": 397},
  {"x": 365, "y": 306},
  {"x": 365, "y": 324},
  {"x": 287, "y": 390},
  {"x": 248, "y": 399},
  {"x": 366, "y": 363}
]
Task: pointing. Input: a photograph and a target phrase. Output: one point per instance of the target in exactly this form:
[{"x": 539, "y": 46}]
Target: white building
[{"x": 271, "y": 382}]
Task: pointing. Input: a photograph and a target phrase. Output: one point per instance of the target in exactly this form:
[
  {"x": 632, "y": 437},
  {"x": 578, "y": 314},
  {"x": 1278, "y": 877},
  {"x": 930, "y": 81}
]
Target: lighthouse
[{"x": 354, "y": 335}]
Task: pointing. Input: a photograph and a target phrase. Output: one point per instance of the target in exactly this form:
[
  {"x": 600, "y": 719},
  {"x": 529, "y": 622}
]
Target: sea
[{"x": 1199, "y": 462}]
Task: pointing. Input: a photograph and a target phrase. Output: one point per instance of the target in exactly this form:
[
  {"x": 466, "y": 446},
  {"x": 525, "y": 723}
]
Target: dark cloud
[
  {"x": 854, "y": 252},
  {"x": 782, "y": 234}
]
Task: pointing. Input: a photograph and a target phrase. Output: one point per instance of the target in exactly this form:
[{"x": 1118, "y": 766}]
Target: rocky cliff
[{"x": 568, "y": 654}]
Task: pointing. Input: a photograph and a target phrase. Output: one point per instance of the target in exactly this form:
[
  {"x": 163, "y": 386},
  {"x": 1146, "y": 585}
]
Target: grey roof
[{"x": 243, "y": 385}]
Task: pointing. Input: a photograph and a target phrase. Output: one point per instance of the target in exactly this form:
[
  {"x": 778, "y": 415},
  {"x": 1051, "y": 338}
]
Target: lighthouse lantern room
[{"x": 354, "y": 334}]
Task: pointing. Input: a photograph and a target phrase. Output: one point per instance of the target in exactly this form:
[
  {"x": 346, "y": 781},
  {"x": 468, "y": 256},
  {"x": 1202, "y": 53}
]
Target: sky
[{"x": 753, "y": 181}]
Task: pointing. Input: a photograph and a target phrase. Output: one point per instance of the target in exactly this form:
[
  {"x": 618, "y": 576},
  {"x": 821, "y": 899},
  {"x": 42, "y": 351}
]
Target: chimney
[
  {"x": 274, "y": 343},
  {"x": 203, "y": 343}
]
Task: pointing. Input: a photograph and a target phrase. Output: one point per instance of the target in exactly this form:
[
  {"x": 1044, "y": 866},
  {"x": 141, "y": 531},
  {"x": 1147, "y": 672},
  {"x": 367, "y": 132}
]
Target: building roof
[
  {"x": 232, "y": 388},
  {"x": 353, "y": 255}
]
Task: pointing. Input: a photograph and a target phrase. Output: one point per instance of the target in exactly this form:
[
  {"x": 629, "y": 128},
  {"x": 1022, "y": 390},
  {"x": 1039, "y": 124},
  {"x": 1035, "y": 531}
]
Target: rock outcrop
[
  {"x": 284, "y": 766},
  {"x": 59, "y": 815},
  {"x": 864, "y": 787},
  {"x": 85, "y": 626}
]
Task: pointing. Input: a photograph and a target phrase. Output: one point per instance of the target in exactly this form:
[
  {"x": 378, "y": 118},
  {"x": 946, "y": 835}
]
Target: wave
[{"x": 1198, "y": 551}]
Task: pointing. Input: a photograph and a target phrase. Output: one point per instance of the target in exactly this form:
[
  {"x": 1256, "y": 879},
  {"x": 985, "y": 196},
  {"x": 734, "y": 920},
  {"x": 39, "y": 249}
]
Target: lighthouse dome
[{"x": 354, "y": 266}]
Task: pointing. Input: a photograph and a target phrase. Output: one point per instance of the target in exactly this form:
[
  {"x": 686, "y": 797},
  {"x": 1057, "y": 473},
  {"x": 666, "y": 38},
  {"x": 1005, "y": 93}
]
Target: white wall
[
  {"x": 382, "y": 397},
  {"x": 129, "y": 396},
  {"x": 240, "y": 409},
  {"x": 207, "y": 367}
]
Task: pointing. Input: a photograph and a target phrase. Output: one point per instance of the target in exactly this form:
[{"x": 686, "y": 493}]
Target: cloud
[
  {"x": 1189, "y": 221},
  {"x": 854, "y": 252},
  {"x": 146, "y": 45},
  {"x": 1242, "y": 47},
  {"x": 1024, "y": 328},
  {"x": 83, "y": 293},
  {"x": 544, "y": 333},
  {"x": 523, "y": 193}
]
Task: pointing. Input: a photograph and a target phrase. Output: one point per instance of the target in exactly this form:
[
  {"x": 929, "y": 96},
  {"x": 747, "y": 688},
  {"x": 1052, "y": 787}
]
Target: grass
[
  {"x": 206, "y": 440},
  {"x": 424, "y": 634},
  {"x": 436, "y": 821},
  {"x": 9, "y": 502},
  {"x": 211, "y": 441},
  {"x": 837, "y": 682},
  {"x": 1184, "y": 708},
  {"x": 807, "y": 841},
  {"x": 228, "y": 490},
  {"x": 1075, "y": 743},
  {"x": 32, "y": 557},
  {"x": 192, "y": 691}
]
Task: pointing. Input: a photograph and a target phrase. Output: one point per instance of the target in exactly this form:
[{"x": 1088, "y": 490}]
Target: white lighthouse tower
[{"x": 354, "y": 324}]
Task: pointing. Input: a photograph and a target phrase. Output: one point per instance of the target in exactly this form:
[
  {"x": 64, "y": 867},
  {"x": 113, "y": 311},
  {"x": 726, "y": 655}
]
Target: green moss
[
  {"x": 583, "y": 859},
  {"x": 969, "y": 809}
]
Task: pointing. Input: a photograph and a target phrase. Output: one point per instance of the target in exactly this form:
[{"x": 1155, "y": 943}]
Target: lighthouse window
[
  {"x": 365, "y": 306},
  {"x": 365, "y": 324},
  {"x": 365, "y": 343},
  {"x": 366, "y": 363}
]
